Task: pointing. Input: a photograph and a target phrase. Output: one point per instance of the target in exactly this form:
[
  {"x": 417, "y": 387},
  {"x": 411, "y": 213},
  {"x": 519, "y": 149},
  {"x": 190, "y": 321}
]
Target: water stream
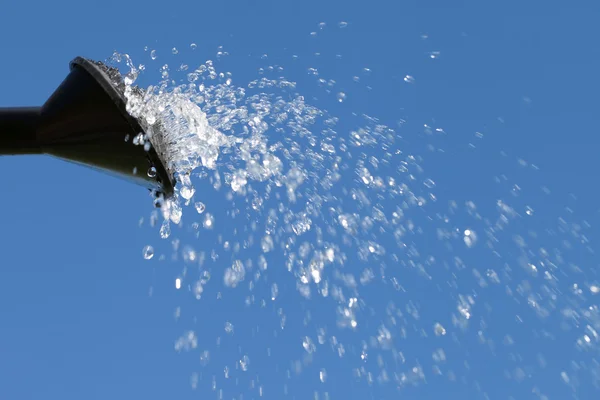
[{"x": 315, "y": 255}]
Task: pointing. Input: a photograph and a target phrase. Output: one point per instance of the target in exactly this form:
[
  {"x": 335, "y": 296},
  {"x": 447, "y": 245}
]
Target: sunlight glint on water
[{"x": 350, "y": 217}]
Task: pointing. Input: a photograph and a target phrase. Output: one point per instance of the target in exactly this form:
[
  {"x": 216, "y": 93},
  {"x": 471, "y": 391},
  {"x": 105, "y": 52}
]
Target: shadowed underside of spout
[{"x": 85, "y": 121}]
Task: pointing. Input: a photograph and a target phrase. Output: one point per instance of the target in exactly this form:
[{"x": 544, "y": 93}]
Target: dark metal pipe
[{"x": 18, "y": 128}]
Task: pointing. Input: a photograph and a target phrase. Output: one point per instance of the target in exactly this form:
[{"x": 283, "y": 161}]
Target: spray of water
[{"x": 332, "y": 228}]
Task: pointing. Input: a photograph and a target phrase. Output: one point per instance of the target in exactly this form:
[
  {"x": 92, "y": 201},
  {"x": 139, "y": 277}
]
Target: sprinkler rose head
[{"x": 85, "y": 121}]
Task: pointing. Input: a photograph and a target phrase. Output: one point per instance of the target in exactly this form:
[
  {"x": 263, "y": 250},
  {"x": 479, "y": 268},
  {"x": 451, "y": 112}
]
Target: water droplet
[
  {"x": 153, "y": 54},
  {"x": 193, "y": 46},
  {"x": 165, "y": 229},
  {"x": 238, "y": 181},
  {"x": 229, "y": 327},
  {"x": 235, "y": 274},
  {"x": 343, "y": 24},
  {"x": 323, "y": 375},
  {"x": 470, "y": 237},
  {"x": 152, "y": 172},
  {"x": 208, "y": 222},
  {"x": 148, "y": 252},
  {"x": 204, "y": 358},
  {"x": 409, "y": 79},
  {"x": 174, "y": 50},
  {"x": 308, "y": 345},
  {"x": 244, "y": 363},
  {"x": 429, "y": 183},
  {"x": 138, "y": 139},
  {"x": 178, "y": 283},
  {"x": 267, "y": 244},
  {"x": 528, "y": 210},
  {"x": 274, "y": 292},
  {"x": 438, "y": 329},
  {"x": 341, "y": 96},
  {"x": 188, "y": 341},
  {"x": 200, "y": 207},
  {"x": 187, "y": 192}
]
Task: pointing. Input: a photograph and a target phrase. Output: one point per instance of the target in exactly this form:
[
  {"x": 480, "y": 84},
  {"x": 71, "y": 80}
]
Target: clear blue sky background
[{"x": 76, "y": 321}]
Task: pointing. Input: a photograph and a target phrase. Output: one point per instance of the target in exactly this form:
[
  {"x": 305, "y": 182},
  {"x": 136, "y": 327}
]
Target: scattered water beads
[
  {"x": 187, "y": 342},
  {"x": 235, "y": 274},
  {"x": 340, "y": 211}
]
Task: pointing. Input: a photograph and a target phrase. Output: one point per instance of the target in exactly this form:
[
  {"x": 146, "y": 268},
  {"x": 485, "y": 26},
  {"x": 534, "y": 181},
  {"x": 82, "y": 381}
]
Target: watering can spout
[
  {"x": 18, "y": 130},
  {"x": 85, "y": 121}
]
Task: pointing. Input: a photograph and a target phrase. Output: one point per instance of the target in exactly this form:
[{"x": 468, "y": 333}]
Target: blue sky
[{"x": 77, "y": 318}]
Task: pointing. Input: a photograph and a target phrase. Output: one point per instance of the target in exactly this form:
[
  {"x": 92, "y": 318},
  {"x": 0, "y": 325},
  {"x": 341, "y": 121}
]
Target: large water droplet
[{"x": 187, "y": 192}]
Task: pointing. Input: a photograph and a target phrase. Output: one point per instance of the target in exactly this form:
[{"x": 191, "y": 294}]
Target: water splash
[{"x": 338, "y": 214}]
